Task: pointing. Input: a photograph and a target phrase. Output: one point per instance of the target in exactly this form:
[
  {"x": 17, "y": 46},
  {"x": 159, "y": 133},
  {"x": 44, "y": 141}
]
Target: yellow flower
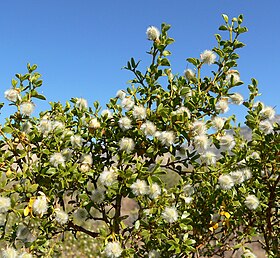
[{"x": 28, "y": 208}]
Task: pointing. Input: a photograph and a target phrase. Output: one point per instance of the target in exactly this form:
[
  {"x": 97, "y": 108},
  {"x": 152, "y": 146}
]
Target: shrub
[{"x": 72, "y": 168}]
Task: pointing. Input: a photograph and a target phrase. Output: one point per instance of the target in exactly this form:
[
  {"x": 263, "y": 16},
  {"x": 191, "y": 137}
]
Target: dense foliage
[{"x": 75, "y": 168}]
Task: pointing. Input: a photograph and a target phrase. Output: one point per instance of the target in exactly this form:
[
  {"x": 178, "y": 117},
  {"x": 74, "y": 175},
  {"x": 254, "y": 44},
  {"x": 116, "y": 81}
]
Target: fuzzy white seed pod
[
  {"x": 152, "y": 33},
  {"x": 5, "y": 204},
  {"x": 81, "y": 103},
  {"x": 27, "y": 108},
  {"x": 208, "y": 57},
  {"x": 170, "y": 214},
  {"x": 236, "y": 98},
  {"x": 121, "y": 94},
  {"x": 226, "y": 182},
  {"x": 252, "y": 202},
  {"x": 189, "y": 73},
  {"x": 266, "y": 127},
  {"x": 222, "y": 105},
  {"x": 125, "y": 123},
  {"x": 12, "y": 95},
  {"x": 127, "y": 144},
  {"x": 139, "y": 112},
  {"x": 113, "y": 250},
  {"x": 139, "y": 187}
]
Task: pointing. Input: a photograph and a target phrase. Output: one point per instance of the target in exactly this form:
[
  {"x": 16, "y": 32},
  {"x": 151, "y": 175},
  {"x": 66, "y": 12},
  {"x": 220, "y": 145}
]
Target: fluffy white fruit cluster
[
  {"x": 267, "y": 114},
  {"x": 57, "y": 159},
  {"x": 40, "y": 205},
  {"x": 113, "y": 249},
  {"x": 208, "y": 57},
  {"x": 27, "y": 108},
  {"x": 5, "y": 204},
  {"x": 12, "y": 94},
  {"x": 170, "y": 214},
  {"x": 139, "y": 112},
  {"x": 125, "y": 123},
  {"x": 61, "y": 216},
  {"x": 218, "y": 122},
  {"x": 227, "y": 181},
  {"x": 148, "y": 128},
  {"x": 222, "y": 105},
  {"x": 106, "y": 113},
  {"x": 76, "y": 141},
  {"x": 152, "y": 33},
  {"x": 233, "y": 77},
  {"x": 10, "y": 252},
  {"x": 126, "y": 144},
  {"x": 127, "y": 103},
  {"x": 47, "y": 126},
  {"x": 201, "y": 141},
  {"x": 140, "y": 188},
  {"x": 94, "y": 123},
  {"x": 81, "y": 103},
  {"x": 252, "y": 202},
  {"x": 108, "y": 177}
]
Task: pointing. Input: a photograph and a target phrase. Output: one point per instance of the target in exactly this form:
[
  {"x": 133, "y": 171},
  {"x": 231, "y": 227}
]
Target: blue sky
[{"x": 81, "y": 46}]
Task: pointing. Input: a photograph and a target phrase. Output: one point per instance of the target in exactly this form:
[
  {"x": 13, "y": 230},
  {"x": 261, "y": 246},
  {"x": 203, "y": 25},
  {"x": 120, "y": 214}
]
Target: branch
[{"x": 81, "y": 229}]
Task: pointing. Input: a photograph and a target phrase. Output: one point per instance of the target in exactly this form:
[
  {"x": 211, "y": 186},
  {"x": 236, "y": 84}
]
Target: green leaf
[
  {"x": 45, "y": 151},
  {"x": 240, "y": 19},
  {"x": 185, "y": 91},
  {"x": 218, "y": 37},
  {"x": 35, "y": 94},
  {"x": 231, "y": 63},
  {"x": 225, "y": 17},
  {"x": 39, "y": 96},
  {"x": 193, "y": 61},
  {"x": 38, "y": 83},
  {"x": 51, "y": 171},
  {"x": 165, "y": 27},
  {"x": 7, "y": 129},
  {"x": 166, "y": 53},
  {"x": 31, "y": 68},
  {"x": 234, "y": 56},
  {"x": 189, "y": 241},
  {"x": 14, "y": 82},
  {"x": 223, "y": 27},
  {"x": 25, "y": 77},
  {"x": 242, "y": 30},
  {"x": 218, "y": 51},
  {"x": 160, "y": 107},
  {"x": 150, "y": 180},
  {"x": 165, "y": 62},
  {"x": 150, "y": 149},
  {"x": 137, "y": 224},
  {"x": 254, "y": 82},
  {"x": 33, "y": 188},
  {"x": 238, "y": 44},
  {"x": 132, "y": 62},
  {"x": 96, "y": 104},
  {"x": 34, "y": 67},
  {"x": 169, "y": 41}
]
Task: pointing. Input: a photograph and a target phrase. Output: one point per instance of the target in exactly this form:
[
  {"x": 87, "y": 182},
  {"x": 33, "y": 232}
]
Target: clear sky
[{"x": 81, "y": 46}]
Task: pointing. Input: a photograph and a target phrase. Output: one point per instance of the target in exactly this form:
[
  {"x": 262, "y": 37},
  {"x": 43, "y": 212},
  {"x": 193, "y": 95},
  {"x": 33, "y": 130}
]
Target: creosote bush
[{"x": 71, "y": 169}]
